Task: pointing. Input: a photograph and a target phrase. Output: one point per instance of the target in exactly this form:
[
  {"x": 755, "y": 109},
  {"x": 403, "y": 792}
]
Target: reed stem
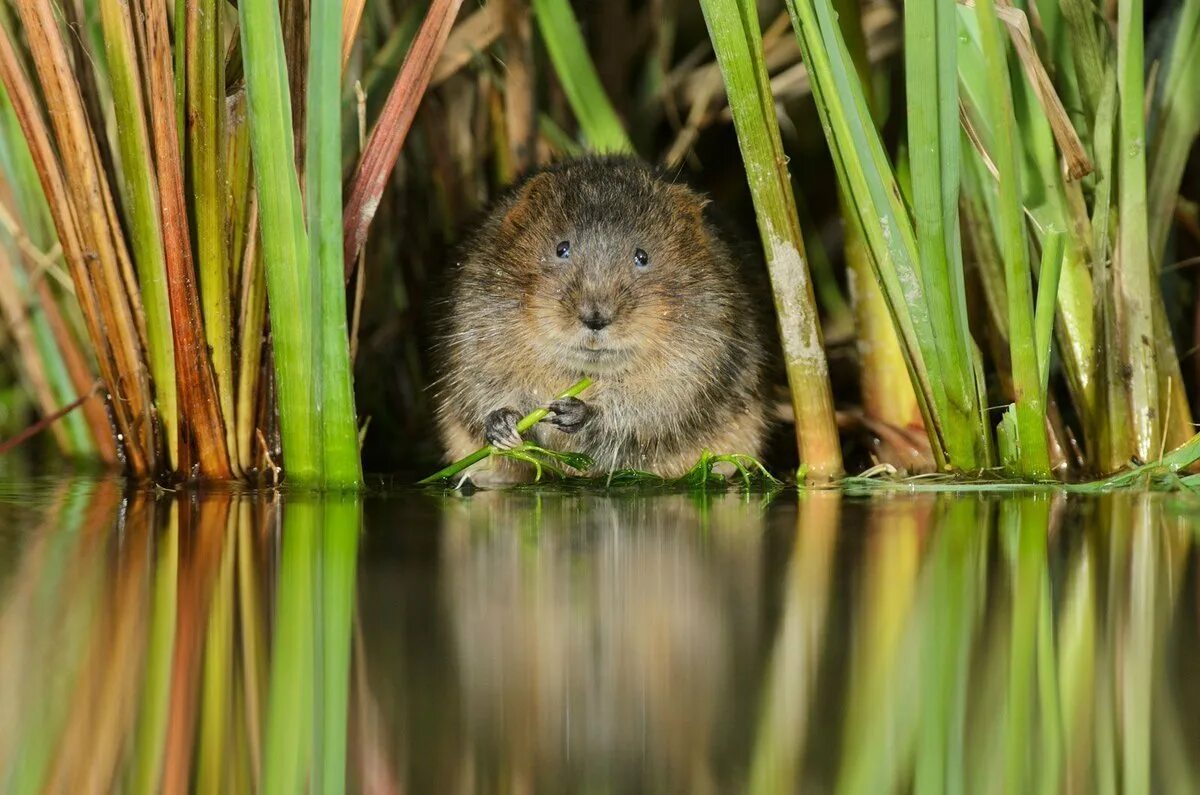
[
  {"x": 734, "y": 29},
  {"x": 285, "y": 254},
  {"x": 331, "y": 371},
  {"x": 1132, "y": 272},
  {"x": 1031, "y": 451}
]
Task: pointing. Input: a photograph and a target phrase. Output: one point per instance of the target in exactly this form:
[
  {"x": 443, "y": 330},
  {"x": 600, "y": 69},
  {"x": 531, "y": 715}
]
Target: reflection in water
[{"x": 554, "y": 643}]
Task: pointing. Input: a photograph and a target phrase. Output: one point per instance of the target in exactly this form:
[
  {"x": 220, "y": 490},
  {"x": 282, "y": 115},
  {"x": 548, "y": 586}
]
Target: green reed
[{"x": 734, "y": 29}]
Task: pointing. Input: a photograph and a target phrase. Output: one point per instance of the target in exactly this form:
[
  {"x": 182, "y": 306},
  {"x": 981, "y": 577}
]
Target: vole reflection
[{"x": 597, "y": 637}]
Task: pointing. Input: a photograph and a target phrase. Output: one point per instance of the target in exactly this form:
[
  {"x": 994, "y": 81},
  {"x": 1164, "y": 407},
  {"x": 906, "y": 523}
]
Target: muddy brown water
[{"x": 556, "y": 642}]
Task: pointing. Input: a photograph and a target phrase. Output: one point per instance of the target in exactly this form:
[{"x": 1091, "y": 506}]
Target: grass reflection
[
  {"x": 135, "y": 651},
  {"x": 566, "y": 642}
]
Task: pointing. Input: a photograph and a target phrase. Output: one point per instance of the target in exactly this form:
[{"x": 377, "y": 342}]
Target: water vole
[{"x": 601, "y": 267}]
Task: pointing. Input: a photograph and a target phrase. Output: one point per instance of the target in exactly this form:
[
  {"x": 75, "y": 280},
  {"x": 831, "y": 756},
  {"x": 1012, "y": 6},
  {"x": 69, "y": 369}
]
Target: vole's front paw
[
  {"x": 569, "y": 414},
  {"x": 500, "y": 428}
]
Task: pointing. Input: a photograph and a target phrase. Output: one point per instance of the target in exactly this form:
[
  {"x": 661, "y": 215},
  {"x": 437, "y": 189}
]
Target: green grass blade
[
  {"x": 1114, "y": 431},
  {"x": 1104, "y": 128},
  {"x": 332, "y": 377},
  {"x": 734, "y": 29},
  {"x": 577, "y": 74},
  {"x": 1043, "y": 317},
  {"x": 1030, "y": 414},
  {"x": 1132, "y": 273},
  {"x": 43, "y": 362},
  {"x": 931, "y": 77},
  {"x": 1046, "y": 194},
  {"x": 1089, "y": 49},
  {"x": 1177, "y": 125},
  {"x": 252, "y": 321},
  {"x": 866, "y": 176},
  {"x": 142, "y": 212},
  {"x": 526, "y": 422},
  {"x": 557, "y": 138},
  {"x": 887, "y": 390},
  {"x": 284, "y": 239}
]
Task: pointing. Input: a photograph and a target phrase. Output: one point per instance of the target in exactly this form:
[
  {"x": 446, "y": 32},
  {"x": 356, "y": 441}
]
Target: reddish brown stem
[
  {"x": 383, "y": 148},
  {"x": 201, "y": 411}
]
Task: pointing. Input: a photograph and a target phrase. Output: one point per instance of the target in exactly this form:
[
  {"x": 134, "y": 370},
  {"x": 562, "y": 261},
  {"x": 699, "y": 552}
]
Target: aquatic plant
[
  {"x": 734, "y": 29},
  {"x": 176, "y": 236},
  {"x": 1008, "y": 214}
]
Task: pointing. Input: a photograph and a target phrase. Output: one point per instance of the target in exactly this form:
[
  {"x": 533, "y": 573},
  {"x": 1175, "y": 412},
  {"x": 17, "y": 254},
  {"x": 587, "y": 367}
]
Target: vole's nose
[{"x": 595, "y": 319}]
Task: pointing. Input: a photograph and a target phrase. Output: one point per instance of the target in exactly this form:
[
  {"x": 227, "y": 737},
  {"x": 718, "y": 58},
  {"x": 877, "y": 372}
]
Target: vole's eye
[
  {"x": 564, "y": 250},
  {"x": 641, "y": 258}
]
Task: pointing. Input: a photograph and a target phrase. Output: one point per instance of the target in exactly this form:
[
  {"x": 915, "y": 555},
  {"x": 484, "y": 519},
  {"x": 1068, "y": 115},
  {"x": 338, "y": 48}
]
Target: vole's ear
[
  {"x": 689, "y": 202},
  {"x": 530, "y": 201}
]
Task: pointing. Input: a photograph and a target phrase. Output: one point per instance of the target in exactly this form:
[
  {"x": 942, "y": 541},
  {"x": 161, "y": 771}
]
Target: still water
[{"x": 564, "y": 642}]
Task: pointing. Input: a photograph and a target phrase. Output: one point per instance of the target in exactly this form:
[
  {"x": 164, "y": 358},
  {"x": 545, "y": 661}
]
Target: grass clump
[{"x": 1009, "y": 223}]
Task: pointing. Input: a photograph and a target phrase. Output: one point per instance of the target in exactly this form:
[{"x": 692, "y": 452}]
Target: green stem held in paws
[{"x": 527, "y": 422}]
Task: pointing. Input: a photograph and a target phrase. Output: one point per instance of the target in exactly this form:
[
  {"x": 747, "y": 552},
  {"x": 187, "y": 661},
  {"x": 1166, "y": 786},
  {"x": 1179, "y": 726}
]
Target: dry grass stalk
[
  {"x": 468, "y": 38},
  {"x": 80, "y": 372},
  {"x": 351, "y": 18},
  {"x": 520, "y": 109},
  {"x": 84, "y": 232},
  {"x": 16, "y": 315},
  {"x": 1078, "y": 164}
]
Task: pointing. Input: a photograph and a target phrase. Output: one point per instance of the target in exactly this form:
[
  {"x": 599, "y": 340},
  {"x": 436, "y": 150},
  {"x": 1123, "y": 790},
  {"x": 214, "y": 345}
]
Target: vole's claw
[
  {"x": 568, "y": 414},
  {"x": 500, "y": 428}
]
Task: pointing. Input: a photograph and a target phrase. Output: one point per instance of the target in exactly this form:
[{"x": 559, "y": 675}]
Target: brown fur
[{"x": 685, "y": 367}]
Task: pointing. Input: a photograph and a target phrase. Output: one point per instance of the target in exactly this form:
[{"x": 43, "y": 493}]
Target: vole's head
[{"x": 615, "y": 265}]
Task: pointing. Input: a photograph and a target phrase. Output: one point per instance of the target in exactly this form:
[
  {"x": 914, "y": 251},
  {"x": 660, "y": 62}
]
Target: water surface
[{"x": 524, "y": 642}]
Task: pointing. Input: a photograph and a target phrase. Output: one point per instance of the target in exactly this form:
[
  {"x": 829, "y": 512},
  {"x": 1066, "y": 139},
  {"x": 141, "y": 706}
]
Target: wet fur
[{"x": 690, "y": 375}]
